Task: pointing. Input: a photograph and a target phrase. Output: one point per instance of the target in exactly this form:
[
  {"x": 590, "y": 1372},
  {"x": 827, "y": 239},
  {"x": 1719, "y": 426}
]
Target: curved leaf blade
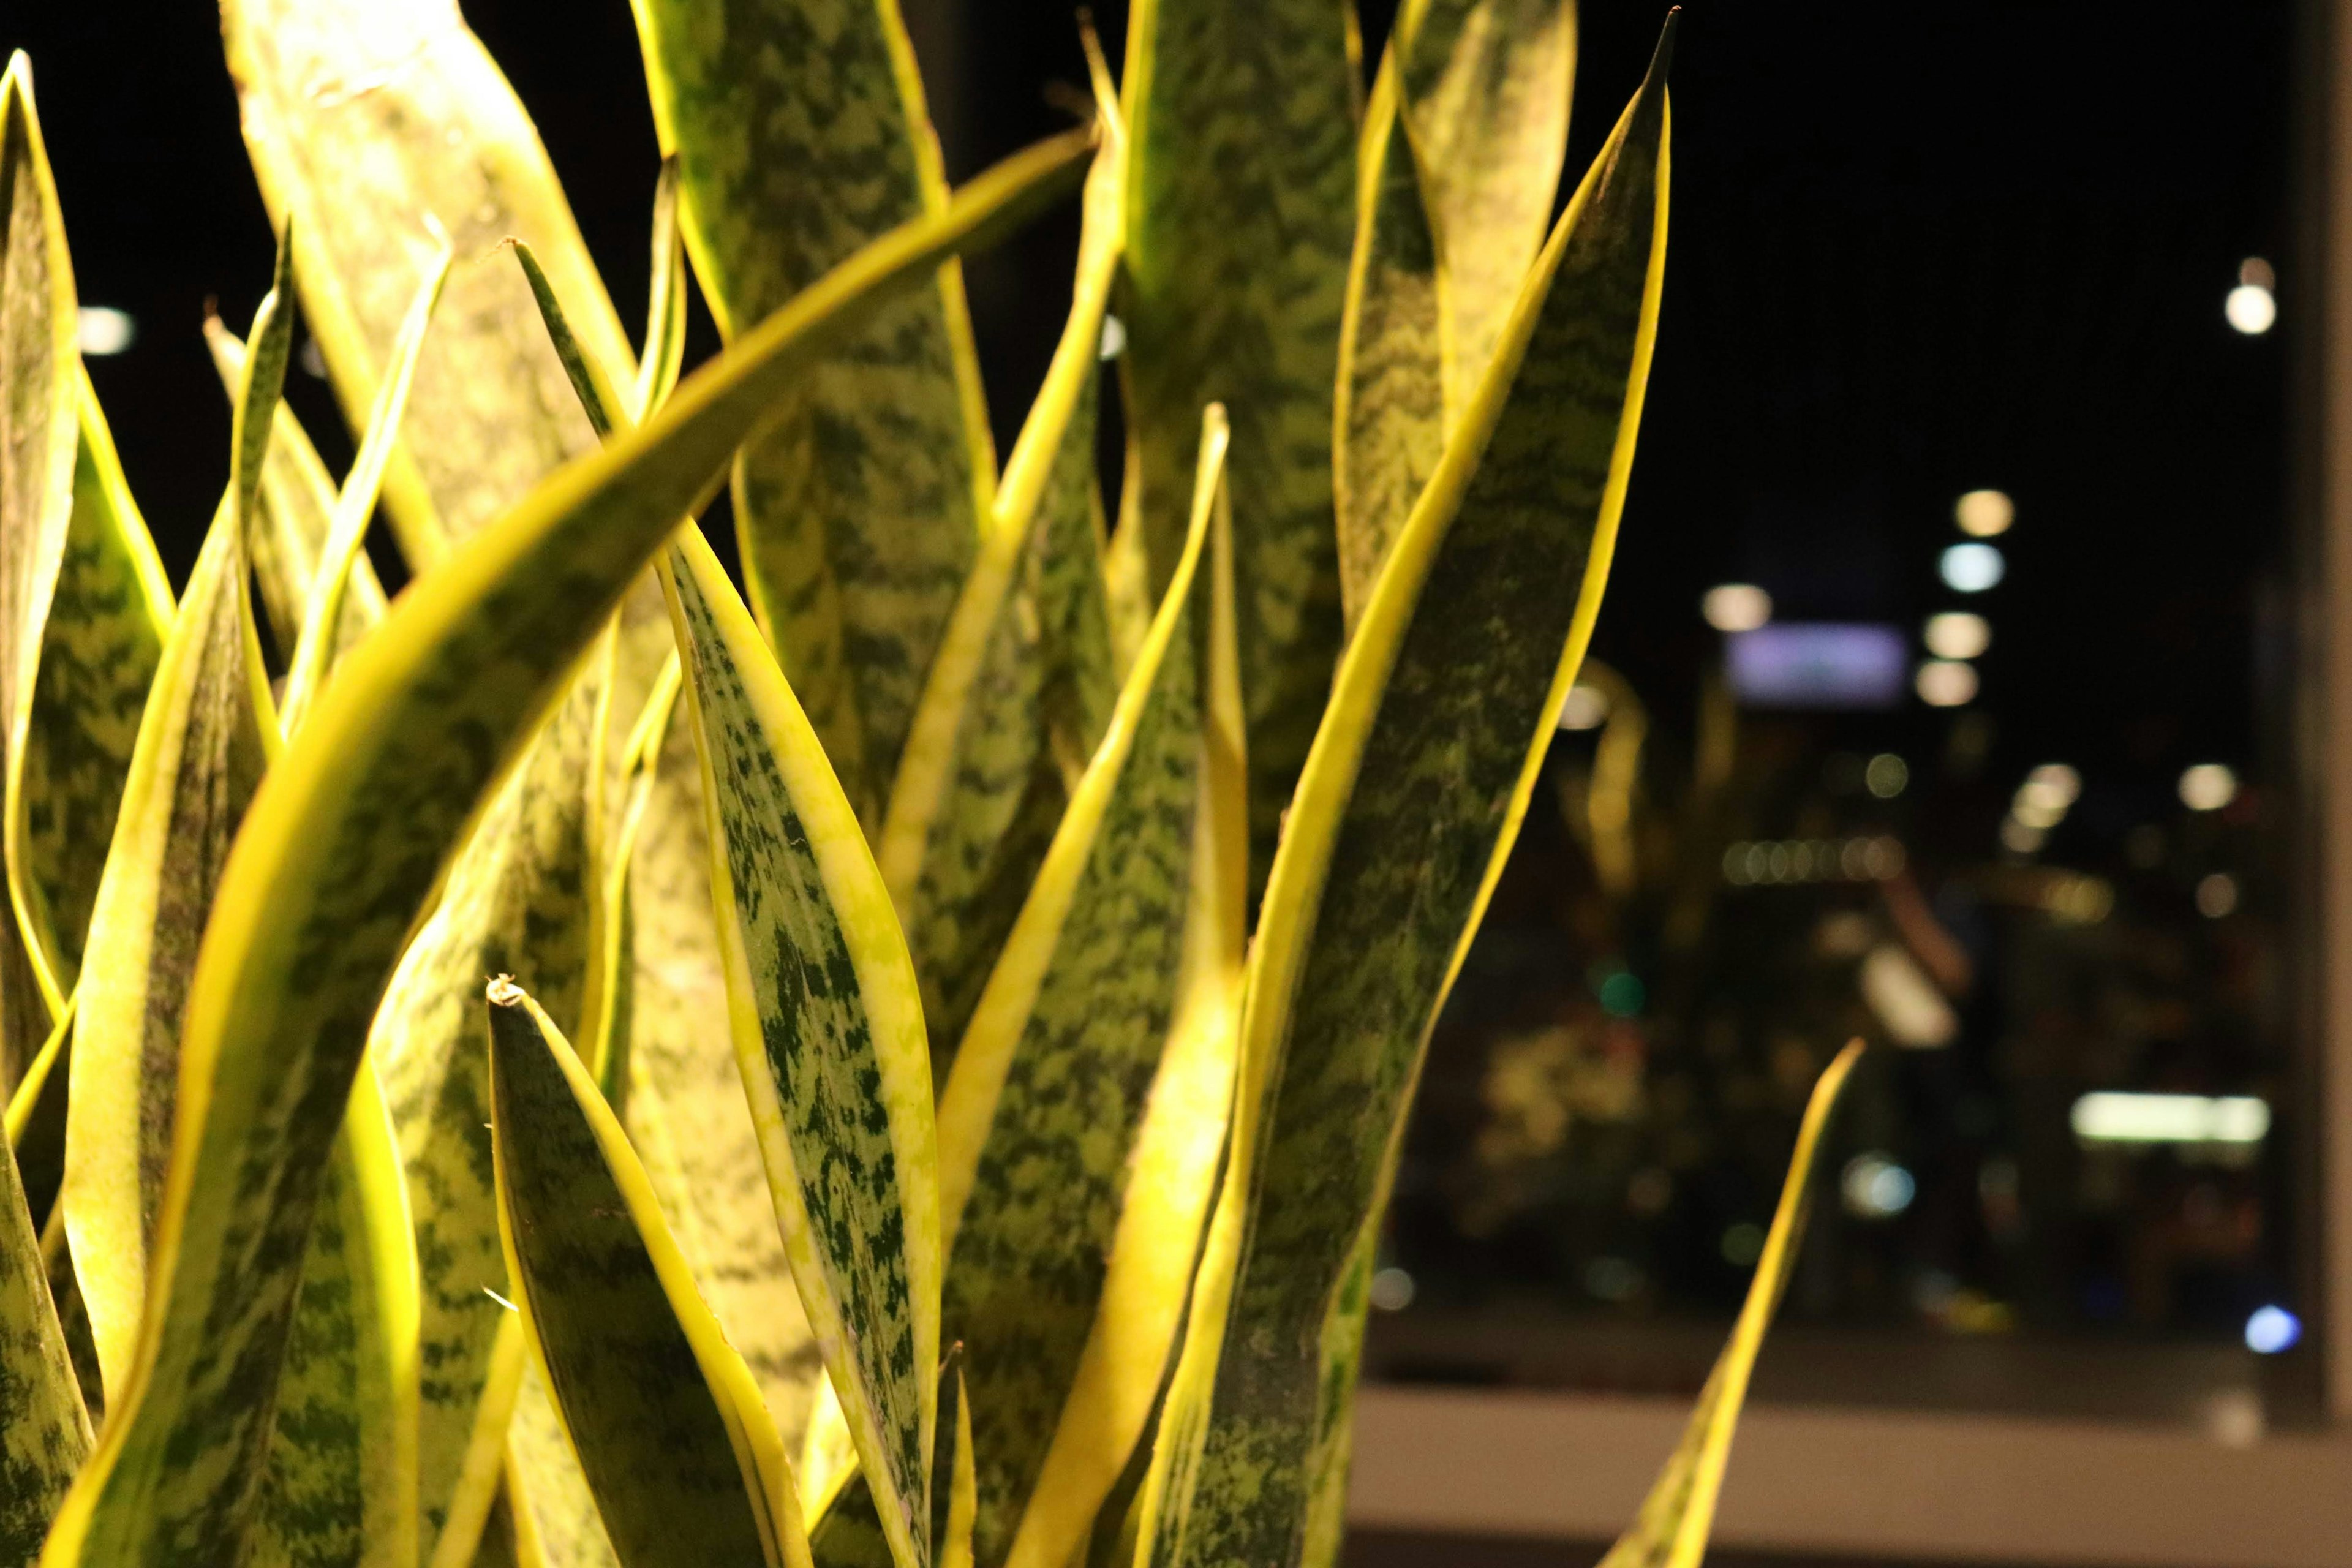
[
  {"x": 1082, "y": 1128},
  {"x": 685, "y": 1466},
  {"x": 828, "y": 1031},
  {"x": 1421, "y": 775},
  {"x": 800, "y": 133},
  {"x": 375, "y": 119},
  {"x": 1679, "y": 1513},
  {"x": 345, "y": 844},
  {"x": 47, "y": 1432}
]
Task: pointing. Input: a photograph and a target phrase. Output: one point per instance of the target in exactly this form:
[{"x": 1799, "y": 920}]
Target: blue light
[
  {"x": 1973, "y": 568},
  {"x": 2272, "y": 1330}
]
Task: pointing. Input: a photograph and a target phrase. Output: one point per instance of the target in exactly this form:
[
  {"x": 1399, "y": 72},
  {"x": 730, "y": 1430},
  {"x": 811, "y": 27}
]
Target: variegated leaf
[
  {"x": 1020, "y": 691},
  {"x": 1409, "y": 804},
  {"x": 1679, "y": 1513},
  {"x": 554, "y": 1507},
  {"x": 40, "y": 437},
  {"x": 340, "y": 1489},
  {"x": 800, "y": 133},
  {"x": 104, "y": 637},
  {"x": 373, "y": 120},
  {"x": 828, "y": 1031},
  {"x": 1081, "y": 1131},
  {"x": 1239, "y": 212},
  {"x": 681, "y": 1455},
  {"x": 345, "y": 844},
  {"x": 43, "y": 1430}
]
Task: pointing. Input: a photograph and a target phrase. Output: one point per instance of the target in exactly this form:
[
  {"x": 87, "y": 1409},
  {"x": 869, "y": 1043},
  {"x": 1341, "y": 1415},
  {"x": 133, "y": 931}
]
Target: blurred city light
[
  {"x": 2208, "y": 786},
  {"x": 1585, "y": 707},
  {"x": 1736, "y": 607},
  {"x": 102, "y": 330},
  {"x": 2112, "y": 1116},
  {"x": 2251, "y": 306},
  {"x": 2270, "y": 1330},
  {"x": 1956, "y": 634},
  {"x": 1972, "y": 568},
  {"x": 1946, "y": 683},
  {"x": 1875, "y": 1187},
  {"x": 1981, "y": 515}
]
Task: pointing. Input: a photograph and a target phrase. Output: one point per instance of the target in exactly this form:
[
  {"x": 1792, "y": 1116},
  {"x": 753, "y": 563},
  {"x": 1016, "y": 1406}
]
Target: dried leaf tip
[{"x": 503, "y": 991}]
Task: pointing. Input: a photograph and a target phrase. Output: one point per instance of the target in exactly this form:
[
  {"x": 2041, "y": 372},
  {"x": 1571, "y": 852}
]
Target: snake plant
[{"x": 897, "y": 1064}]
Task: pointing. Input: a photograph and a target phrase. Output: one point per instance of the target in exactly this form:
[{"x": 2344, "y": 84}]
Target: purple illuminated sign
[{"x": 1819, "y": 664}]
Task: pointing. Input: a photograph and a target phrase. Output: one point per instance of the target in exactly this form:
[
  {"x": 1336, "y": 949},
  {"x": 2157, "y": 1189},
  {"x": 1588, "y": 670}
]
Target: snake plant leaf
[
  {"x": 1163, "y": 1503},
  {"x": 685, "y": 1464},
  {"x": 562, "y": 1528},
  {"x": 657, "y": 367},
  {"x": 672, "y": 1080},
  {"x": 1679, "y": 1513},
  {"x": 516, "y": 902},
  {"x": 828, "y": 1031},
  {"x": 40, "y": 439},
  {"x": 507, "y": 1542},
  {"x": 1020, "y": 690},
  {"x": 340, "y": 1486},
  {"x": 1240, "y": 210},
  {"x": 45, "y": 1430},
  {"x": 800, "y": 133},
  {"x": 368, "y": 117},
  {"x": 204, "y": 741},
  {"x": 1081, "y": 1128},
  {"x": 322, "y": 613},
  {"x": 1419, "y": 778},
  {"x": 1389, "y": 415},
  {"x": 343, "y": 847},
  {"x": 100, "y": 646},
  {"x": 1485, "y": 88},
  {"x": 298, "y": 505},
  {"x": 208, "y": 735}
]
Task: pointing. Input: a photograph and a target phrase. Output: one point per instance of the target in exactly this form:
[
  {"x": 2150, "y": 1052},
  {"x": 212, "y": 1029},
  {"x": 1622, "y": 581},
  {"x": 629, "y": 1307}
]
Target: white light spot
[
  {"x": 1886, "y": 775},
  {"x": 1391, "y": 1290},
  {"x": 2021, "y": 837},
  {"x": 1586, "y": 708},
  {"x": 1956, "y": 634},
  {"x": 1875, "y": 1187},
  {"x": 1981, "y": 515},
  {"x": 1736, "y": 607},
  {"x": 1972, "y": 568},
  {"x": 2217, "y": 895},
  {"x": 2054, "y": 782},
  {"x": 1908, "y": 1006},
  {"x": 1946, "y": 683},
  {"x": 2252, "y": 310},
  {"x": 2270, "y": 1330},
  {"x": 2113, "y": 1116},
  {"x": 1114, "y": 338},
  {"x": 2208, "y": 786},
  {"x": 102, "y": 330}
]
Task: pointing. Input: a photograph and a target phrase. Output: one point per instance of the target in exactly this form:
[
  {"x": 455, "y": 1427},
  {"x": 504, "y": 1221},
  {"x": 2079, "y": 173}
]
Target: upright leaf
[
  {"x": 100, "y": 648},
  {"x": 367, "y": 118},
  {"x": 205, "y": 739},
  {"x": 43, "y": 1430},
  {"x": 1485, "y": 93},
  {"x": 1239, "y": 218},
  {"x": 346, "y": 842},
  {"x": 685, "y": 1464},
  {"x": 800, "y": 133},
  {"x": 517, "y": 902},
  {"x": 340, "y": 1487},
  {"x": 1081, "y": 1131},
  {"x": 298, "y": 505},
  {"x": 550, "y": 1498},
  {"x": 1420, "y": 777},
  {"x": 39, "y": 438},
  {"x": 828, "y": 1031},
  {"x": 1388, "y": 419},
  {"x": 1020, "y": 691},
  {"x": 1679, "y": 1513}
]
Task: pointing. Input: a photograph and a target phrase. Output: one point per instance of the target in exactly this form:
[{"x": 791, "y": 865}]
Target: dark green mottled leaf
[
  {"x": 345, "y": 845},
  {"x": 340, "y": 1489},
  {"x": 828, "y": 1031},
  {"x": 44, "y": 1431},
  {"x": 1679, "y": 1513},
  {"x": 1020, "y": 689},
  {"x": 1240, "y": 207},
  {"x": 685, "y": 1465},
  {"x": 800, "y": 133},
  {"x": 1081, "y": 1129},
  {"x": 1410, "y": 801}
]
